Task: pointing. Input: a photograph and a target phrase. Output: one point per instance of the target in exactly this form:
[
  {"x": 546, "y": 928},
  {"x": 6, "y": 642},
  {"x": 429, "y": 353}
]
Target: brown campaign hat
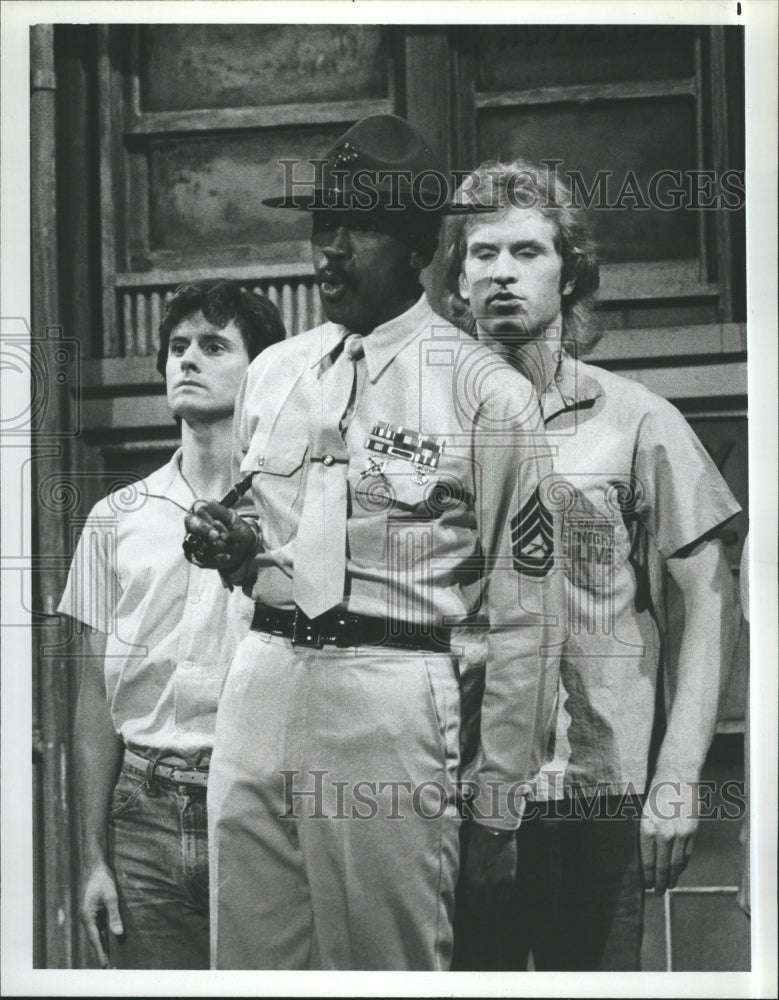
[{"x": 381, "y": 164}]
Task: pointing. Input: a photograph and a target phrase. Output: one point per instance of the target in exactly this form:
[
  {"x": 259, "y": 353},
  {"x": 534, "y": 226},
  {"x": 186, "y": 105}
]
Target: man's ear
[
  {"x": 568, "y": 277},
  {"x": 420, "y": 259},
  {"x": 462, "y": 285}
]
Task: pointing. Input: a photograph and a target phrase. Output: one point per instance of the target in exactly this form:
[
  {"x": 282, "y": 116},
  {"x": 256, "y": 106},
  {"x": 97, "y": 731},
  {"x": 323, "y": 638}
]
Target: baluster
[
  {"x": 301, "y": 296},
  {"x": 142, "y": 323},
  {"x": 273, "y": 293},
  {"x": 156, "y": 312},
  {"x": 287, "y": 307},
  {"x": 129, "y": 327},
  {"x": 316, "y": 305}
]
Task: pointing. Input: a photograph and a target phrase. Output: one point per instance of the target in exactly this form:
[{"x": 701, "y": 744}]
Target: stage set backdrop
[{"x": 152, "y": 146}]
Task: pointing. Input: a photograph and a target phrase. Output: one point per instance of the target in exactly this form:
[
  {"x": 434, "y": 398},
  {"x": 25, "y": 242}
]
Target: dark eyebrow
[{"x": 216, "y": 335}]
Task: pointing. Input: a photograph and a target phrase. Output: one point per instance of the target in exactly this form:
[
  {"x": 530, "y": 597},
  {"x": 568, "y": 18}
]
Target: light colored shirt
[
  {"x": 445, "y": 454},
  {"x": 171, "y": 628},
  {"x": 634, "y": 486}
]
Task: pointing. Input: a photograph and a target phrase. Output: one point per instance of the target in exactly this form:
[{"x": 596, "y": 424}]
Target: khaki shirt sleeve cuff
[{"x": 499, "y": 806}]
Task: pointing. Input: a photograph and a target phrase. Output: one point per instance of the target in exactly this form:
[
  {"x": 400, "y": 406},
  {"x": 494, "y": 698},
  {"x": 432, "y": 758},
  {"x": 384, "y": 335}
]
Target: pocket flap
[{"x": 276, "y": 463}]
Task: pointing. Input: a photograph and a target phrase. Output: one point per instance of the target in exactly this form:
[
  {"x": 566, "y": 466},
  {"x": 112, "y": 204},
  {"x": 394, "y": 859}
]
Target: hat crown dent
[
  {"x": 383, "y": 142},
  {"x": 382, "y": 163}
]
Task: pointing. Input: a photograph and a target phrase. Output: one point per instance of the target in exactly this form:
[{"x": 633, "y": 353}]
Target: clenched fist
[{"x": 218, "y": 538}]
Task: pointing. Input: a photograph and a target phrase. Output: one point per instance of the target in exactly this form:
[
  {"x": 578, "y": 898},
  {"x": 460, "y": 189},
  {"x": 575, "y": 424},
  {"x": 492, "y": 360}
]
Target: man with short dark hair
[
  {"x": 638, "y": 495},
  {"x": 395, "y": 486},
  {"x": 160, "y": 637}
]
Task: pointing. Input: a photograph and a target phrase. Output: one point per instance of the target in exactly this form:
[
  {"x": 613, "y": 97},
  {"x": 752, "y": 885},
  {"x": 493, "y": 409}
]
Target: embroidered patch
[
  {"x": 411, "y": 446},
  {"x": 532, "y": 537},
  {"x": 589, "y": 541}
]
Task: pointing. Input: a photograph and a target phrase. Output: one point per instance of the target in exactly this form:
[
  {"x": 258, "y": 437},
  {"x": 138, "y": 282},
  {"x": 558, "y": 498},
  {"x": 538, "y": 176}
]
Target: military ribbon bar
[{"x": 411, "y": 446}]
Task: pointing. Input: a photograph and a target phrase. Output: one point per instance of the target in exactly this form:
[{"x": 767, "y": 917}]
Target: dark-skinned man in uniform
[{"x": 396, "y": 469}]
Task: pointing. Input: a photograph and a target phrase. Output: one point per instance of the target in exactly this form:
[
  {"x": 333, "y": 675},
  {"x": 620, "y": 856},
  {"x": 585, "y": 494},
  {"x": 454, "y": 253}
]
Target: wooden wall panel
[
  {"x": 206, "y": 191},
  {"x": 653, "y": 136},
  {"x": 188, "y": 66},
  {"x": 556, "y": 55}
]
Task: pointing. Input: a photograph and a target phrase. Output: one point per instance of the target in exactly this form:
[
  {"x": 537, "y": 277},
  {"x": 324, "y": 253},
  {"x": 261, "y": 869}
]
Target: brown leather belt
[
  {"x": 179, "y": 775},
  {"x": 338, "y": 628}
]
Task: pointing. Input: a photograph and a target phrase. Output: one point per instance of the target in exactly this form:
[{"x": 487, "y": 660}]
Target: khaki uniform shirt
[
  {"x": 446, "y": 451},
  {"x": 634, "y": 485},
  {"x": 171, "y": 628}
]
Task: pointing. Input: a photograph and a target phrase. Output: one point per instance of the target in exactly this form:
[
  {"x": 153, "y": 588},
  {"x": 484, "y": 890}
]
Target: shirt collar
[
  {"x": 569, "y": 388},
  {"x": 564, "y": 383},
  {"x": 170, "y": 483},
  {"x": 538, "y": 360},
  {"x": 383, "y": 344}
]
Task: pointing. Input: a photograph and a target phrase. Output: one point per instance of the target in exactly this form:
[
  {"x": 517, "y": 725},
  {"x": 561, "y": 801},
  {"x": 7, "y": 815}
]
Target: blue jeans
[
  {"x": 158, "y": 841},
  {"x": 577, "y": 902}
]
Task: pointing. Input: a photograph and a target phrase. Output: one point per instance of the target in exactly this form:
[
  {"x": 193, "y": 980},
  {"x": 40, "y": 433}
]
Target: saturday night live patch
[
  {"x": 411, "y": 446},
  {"x": 532, "y": 538}
]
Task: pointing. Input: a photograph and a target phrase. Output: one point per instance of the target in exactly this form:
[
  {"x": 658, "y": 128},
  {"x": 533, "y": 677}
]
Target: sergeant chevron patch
[{"x": 532, "y": 537}]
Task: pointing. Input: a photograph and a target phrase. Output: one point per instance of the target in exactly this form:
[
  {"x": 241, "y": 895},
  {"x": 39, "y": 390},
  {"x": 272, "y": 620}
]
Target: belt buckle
[{"x": 304, "y": 632}]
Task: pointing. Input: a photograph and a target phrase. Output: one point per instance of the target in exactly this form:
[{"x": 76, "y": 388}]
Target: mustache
[{"x": 329, "y": 273}]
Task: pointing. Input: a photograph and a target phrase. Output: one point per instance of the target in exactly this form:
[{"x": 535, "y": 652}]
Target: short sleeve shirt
[
  {"x": 445, "y": 453},
  {"x": 171, "y": 628},
  {"x": 633, "y": 485}
]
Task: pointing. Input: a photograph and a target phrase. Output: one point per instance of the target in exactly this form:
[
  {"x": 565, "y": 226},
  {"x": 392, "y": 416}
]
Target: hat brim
[{"x": 330, "y": 200}]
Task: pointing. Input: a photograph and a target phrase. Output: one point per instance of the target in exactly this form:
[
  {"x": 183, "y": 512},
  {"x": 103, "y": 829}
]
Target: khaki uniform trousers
[{"x": 333, "y": 827}]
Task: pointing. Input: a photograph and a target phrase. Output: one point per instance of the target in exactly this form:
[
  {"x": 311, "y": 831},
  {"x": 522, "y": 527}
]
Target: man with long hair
[{"x": 637, "y": 493}]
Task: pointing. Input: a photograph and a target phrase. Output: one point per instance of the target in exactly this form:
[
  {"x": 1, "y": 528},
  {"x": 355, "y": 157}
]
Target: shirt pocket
[
  {"x": 426, "y": 514},
  {"x": 595, "y": 539},
  {"x": 278, "y": 489},
  {"x": 445, "y": 492}
]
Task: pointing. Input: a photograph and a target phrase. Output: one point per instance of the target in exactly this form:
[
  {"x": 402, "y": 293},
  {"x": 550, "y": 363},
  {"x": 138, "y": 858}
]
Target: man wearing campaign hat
[{"x": 397, "y": 485}]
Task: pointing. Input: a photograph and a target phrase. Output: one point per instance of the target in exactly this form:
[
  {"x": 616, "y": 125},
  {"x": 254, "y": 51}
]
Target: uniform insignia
[
  {"x": 532, "y": 535},
  {"x": 343, "y": 156},
  {"x": 410, "y": 446},
  {"x": 375, "y": 467}
]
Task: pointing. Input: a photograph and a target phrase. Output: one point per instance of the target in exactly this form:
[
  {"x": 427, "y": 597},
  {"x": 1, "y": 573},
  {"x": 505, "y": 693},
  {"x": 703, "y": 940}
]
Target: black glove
[{"x": 217, "y": 538}]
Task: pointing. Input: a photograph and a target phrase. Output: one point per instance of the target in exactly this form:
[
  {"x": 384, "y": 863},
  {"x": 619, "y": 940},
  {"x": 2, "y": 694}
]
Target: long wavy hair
[{"x": 524, "y": 184}]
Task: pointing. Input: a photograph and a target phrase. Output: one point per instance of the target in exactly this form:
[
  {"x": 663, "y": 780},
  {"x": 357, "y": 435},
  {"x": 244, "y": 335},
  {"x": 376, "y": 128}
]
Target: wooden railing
[
  {"x": 141, "y": 299},
  {"x": 141, "y": 295}
]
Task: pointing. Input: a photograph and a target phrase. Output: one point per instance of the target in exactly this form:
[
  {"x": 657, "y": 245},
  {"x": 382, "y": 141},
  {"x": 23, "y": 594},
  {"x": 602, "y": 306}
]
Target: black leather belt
[{"x": 338, "y": 628}]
